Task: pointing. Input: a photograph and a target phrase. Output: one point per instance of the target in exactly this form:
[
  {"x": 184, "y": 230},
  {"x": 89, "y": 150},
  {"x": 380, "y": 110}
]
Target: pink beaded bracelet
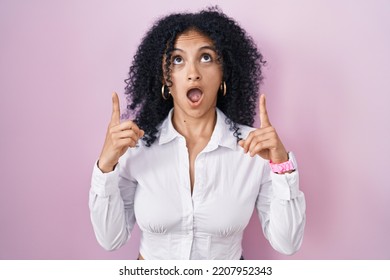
[{"x": 282, "y": 167}]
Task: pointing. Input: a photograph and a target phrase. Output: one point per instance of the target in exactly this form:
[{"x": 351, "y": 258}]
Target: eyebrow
[{"x": 200, "y": 49}]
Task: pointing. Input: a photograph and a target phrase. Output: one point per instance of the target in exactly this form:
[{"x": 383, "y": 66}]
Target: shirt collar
[
  {"x": 167, "y": 131},
  {"x": 222, "y": 135}
]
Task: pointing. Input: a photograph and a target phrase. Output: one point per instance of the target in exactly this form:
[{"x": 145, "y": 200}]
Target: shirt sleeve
[
  {"x": 111, "y": 204},
  {"x": 281, "y": 208}
]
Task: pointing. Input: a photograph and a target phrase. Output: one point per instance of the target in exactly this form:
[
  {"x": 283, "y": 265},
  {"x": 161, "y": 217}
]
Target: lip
[{"x": 197, "y": 103}]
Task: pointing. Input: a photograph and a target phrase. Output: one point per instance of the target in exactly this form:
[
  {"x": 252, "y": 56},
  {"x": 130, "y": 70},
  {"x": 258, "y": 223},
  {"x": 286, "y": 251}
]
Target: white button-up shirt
[{"x": 151, "y": 186}]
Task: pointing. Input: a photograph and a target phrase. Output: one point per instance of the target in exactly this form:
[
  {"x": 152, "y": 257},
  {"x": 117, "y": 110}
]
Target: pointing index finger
[
  {"x": 116, "y": 115},
  {"x": 264, "y": 120}
]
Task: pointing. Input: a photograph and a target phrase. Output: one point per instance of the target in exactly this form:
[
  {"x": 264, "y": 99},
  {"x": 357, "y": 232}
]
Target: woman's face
[{"x": 196, "y": 75}]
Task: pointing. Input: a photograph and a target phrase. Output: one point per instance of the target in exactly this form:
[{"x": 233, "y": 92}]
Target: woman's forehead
[{"x": 192, "y": 36}]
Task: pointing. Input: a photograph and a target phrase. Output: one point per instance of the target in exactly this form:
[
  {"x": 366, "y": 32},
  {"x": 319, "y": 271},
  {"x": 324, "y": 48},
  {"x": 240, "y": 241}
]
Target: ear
[{"x": 164, "y": 76}]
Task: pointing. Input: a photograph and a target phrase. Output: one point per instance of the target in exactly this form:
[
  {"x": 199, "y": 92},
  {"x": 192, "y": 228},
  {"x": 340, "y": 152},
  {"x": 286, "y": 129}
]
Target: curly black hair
[{"x": 241, "y": 64}]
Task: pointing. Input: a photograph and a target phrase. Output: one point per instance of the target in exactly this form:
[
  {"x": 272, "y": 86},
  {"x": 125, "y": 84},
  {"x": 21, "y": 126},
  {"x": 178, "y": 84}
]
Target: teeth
[{"x": 194, "y": 94}]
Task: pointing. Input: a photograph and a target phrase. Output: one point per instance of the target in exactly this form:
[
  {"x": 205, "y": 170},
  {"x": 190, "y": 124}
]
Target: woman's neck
[{"x": 194, "y": 128}]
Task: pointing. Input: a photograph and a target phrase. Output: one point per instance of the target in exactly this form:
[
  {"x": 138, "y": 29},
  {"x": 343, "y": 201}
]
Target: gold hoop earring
[
  {"x": 163, "y": 93},
  {"x": 223, "y": 88}
]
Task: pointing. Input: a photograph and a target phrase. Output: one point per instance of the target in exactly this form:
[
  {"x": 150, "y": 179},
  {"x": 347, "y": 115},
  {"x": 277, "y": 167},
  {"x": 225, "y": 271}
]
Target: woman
[{"x": 189, "y": 168}]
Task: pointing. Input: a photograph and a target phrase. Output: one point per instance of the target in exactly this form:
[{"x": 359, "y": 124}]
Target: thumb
[{"x": 116, "y": 115}]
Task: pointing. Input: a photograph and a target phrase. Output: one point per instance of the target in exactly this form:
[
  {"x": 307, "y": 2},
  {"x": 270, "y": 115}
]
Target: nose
[{"x": 193, "y": 73}]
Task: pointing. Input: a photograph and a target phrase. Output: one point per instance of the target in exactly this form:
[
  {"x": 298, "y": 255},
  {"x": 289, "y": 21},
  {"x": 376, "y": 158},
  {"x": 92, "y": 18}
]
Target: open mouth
[{"x": 194, "y": 95}]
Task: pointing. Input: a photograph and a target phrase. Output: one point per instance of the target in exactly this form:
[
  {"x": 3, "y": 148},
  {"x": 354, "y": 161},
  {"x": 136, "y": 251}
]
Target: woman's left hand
[{"x": 264, "y": 141}]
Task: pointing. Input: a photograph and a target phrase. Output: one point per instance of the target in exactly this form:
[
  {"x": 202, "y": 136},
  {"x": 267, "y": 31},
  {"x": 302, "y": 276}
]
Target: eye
[
  {"x": 206, "y": 58},
  {"x": 177, "y": 60}
]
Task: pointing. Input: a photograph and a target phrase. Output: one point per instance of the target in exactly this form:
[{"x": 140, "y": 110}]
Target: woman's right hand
[{"x": 119, "y": 137}]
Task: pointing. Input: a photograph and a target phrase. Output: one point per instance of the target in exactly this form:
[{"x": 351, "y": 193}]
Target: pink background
[{"x": 327, "y": 82}]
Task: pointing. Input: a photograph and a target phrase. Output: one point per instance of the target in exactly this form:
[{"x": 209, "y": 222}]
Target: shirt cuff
[
  {"x": 105, "y": 184},
  {"x": 286, "y": 186}
]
